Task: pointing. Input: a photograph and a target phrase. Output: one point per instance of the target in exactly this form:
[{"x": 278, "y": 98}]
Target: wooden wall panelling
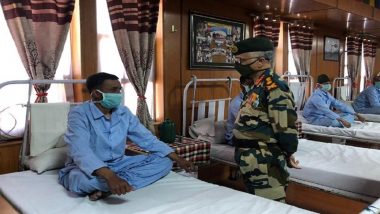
[
  {"x": 9, "y": 156},
  {"x": 211, "y": 8},
  {"x": 332, "y": 3},
  {"x": 172, "y": 88},
  {"x": 159, "y": 69},
  {"x": 84, "y": 44}
]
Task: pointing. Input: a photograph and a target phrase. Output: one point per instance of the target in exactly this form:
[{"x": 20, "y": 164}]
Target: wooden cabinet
[{"x": 9, "y": 156}]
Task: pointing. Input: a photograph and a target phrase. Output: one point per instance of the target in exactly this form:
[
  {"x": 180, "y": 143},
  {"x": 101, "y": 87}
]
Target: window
[
  {"x": 291, "y": 65},
  {"x": 362, "y": 68},
  {"x": 110, "y": 61},
  {"x": 13, "y": 69},
  {"x": 12, "y": 112}
]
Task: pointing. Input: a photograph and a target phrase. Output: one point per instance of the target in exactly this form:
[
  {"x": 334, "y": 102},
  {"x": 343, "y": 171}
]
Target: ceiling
[{"x": 328, "y": 14}]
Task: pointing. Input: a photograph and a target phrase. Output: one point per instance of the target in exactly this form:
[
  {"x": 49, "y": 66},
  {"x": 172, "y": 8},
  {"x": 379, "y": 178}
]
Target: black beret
[{"x": 252, "y": 45}]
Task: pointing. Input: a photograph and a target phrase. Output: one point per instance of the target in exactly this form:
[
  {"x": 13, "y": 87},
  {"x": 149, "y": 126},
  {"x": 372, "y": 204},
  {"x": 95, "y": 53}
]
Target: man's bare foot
[{"x": 98, "y": 195}]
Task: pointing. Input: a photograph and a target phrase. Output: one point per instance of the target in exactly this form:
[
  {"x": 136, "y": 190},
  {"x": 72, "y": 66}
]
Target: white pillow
[
  {"x": 51, "y": 159},
  {"x": 220, "y": 131},
  {"x": 203, "y": 130}
]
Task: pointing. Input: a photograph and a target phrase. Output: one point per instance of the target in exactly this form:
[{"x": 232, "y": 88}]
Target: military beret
[
  {"x": 256, "y": 44},
  {"x": 323, "y": 78}
]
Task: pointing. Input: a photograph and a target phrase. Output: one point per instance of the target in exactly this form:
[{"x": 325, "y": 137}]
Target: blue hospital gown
[
  {"x": 95, "y": 141},
  {"x": 368, "y": 101},
  {"x": 317, "y": 110},
  {"x": 233, "y": 110}
]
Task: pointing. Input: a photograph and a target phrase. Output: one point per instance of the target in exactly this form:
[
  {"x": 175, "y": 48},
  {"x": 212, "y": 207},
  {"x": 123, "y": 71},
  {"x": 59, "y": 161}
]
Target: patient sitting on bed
[
  {"x": 318, "y": 108},
  {"x": 368, "y": 101},
  {"x": 96, "y": 134},
  {"x": 234, "y": 107}
]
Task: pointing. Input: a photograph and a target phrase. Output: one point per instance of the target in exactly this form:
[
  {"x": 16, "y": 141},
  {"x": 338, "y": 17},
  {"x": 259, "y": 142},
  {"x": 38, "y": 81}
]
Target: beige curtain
[
  {"x": 134, "y": 27},
  {"x": 369, "y": 47},
  {"x": 301, "y": 39},
  {"x": 39, "y": 30},
  {"x": 354, "y": 52},
  {"x": 268, "y": 27}
]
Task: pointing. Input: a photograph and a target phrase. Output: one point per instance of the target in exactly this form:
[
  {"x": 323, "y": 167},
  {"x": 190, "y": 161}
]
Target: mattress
[
  {"x": 32, "y": 193},
  {"x": 341, "y": 167},
  {"x": 368, "y": 131},
  {"x": 347, "y": 170},
  {"x": 371, "y": 117}
]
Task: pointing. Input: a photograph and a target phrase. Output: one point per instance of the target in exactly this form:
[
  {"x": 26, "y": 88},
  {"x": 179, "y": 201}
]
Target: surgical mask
[
  {"x": 377, "y": 84},
  {"x": 110, "y": 100},
  {"x": 326, "y": 87}
]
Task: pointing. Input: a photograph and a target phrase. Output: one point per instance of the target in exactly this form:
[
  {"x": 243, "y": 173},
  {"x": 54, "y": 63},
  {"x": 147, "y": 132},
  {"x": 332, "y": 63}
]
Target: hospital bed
[
  {"x": 342, "y": 91},
  {"x": 367, "y": 132},
  {"x": 345, "y": 173},
  {"x": 38, "y": 191}
]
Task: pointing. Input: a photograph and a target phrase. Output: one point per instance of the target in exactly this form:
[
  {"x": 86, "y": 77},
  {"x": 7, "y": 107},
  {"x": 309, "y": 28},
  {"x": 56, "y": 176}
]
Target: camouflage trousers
[{"x": 264, "y": 170}]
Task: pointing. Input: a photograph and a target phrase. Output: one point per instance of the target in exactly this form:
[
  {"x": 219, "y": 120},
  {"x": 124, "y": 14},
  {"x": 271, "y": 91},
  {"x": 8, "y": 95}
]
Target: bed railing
[
  {"x": 30, "y": 83},
  {"x": 342, "y": 90},
  {"x": 211, "y": 104},
  {"x": 302, "y": 87}
]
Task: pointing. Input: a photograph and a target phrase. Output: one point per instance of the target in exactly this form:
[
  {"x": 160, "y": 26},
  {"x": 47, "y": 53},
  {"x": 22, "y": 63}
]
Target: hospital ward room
[{"x": 189, "y": 106}]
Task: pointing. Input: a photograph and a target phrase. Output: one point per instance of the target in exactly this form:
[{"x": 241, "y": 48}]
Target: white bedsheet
[
  {"x": 328, "y": 166},
  {"x": 34, "y": 193},
  {"x": 372, "y": 117},
  {"x": 358, "y": 131},
  {"x": 341, "y": 167}
]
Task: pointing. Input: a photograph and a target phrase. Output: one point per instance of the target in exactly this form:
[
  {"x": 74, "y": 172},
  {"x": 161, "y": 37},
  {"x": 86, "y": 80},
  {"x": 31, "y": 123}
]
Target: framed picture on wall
[
  {"x": 211, "y": 39},
  {"x": 331, "y": 49}
]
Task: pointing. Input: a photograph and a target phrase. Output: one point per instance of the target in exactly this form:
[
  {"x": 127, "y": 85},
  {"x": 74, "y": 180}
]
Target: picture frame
[
  {"x": 211, "y": 39},
  {"x": 331, "y": 48}
]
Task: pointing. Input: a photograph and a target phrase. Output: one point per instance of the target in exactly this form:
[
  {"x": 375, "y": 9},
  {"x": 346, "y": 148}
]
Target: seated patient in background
[
  {"x": 96, "y": 134},
  {"x": 368, "y": 101},
  {"x": 318, "y": 108},
  {"x": 234, "y": 107}
]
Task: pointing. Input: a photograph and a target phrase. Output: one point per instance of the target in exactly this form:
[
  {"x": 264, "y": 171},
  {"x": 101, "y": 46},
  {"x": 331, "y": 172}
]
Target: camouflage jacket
[{"x": 268, "y": 114}]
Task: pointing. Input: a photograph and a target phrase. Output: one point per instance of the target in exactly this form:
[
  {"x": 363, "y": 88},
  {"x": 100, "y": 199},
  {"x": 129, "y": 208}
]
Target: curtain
[
  {"x": 39, "y": 30},
  {"x": 369, "y": 60},
  {"x": 267, "y": 27},
  {"x": 354, "y": 52},
  {"x": 301, "y": 39},
  {"x": 134, "y": 26}
]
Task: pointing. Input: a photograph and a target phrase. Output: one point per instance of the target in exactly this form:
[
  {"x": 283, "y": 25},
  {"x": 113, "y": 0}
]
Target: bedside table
[{"x": 193, "y": 150}]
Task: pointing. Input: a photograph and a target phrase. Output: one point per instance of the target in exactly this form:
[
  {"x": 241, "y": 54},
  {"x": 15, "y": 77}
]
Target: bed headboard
[
  {"x": 302, "y": 87},
  {"x": 341, "y": 88},
  {"x": 205, "y": 108}
]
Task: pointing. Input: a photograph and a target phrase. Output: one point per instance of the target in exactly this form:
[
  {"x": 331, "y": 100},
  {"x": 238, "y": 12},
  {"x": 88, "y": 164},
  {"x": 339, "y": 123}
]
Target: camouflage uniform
[{"x": 264, "y": 135}]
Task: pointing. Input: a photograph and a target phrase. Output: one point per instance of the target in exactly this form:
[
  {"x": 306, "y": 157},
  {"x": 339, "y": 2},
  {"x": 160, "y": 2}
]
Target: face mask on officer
[{"x": 110, "y": 100}]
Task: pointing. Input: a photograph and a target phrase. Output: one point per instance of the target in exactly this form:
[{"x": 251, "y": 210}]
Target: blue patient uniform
[
  {"x": 317, "y": 110},
  {"x": 95, "y": 141},
  {"x": 368, "y": 101},
  {"x": 233, "y": 110}
]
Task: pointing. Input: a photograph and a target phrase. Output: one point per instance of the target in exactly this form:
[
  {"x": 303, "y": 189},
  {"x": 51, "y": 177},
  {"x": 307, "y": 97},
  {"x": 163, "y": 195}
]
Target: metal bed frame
[
  {"x": 337, "y": 82},
  {"x": 30, "y": 83},
  {"x": 306, "y": 79},
  {"x": 201, "y": 104}
]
